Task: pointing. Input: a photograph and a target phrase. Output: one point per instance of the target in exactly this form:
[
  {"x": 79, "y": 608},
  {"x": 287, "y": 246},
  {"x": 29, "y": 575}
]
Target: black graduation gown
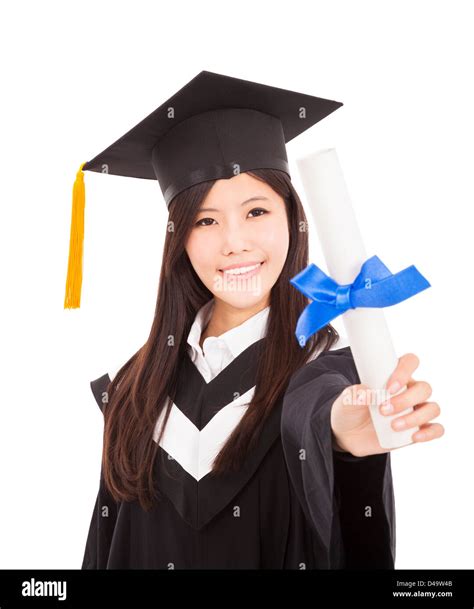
[{"x": 296, "y": 503}]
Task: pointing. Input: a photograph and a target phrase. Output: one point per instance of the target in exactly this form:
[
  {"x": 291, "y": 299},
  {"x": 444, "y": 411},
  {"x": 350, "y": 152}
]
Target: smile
[{"x": 243, "y": 271}]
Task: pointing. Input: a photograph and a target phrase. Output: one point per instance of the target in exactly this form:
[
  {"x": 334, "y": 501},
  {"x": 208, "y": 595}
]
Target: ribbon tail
[
  {"x": 314, "y": 317},
  {"x": 392, "y": 290}
]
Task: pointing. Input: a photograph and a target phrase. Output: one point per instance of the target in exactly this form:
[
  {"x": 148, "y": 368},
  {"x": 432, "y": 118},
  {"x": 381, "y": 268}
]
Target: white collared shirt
[{"x": 218, "y": 351}]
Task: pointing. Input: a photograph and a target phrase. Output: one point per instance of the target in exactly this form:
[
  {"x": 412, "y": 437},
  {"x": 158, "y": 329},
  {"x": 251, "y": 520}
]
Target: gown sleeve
[
  {"x": 104, "y": 513},
  {"x": 347, "y": 500}
]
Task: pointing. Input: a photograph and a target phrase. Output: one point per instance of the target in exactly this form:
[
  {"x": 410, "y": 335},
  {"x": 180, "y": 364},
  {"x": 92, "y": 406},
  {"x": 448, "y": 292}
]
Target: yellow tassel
[{"x": 72, "y": 298}]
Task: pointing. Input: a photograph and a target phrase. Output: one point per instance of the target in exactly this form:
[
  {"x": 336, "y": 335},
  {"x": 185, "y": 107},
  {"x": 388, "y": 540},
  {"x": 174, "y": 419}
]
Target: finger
[
  {"x": 416, "y": 393},
  {"x": 428, "y": 432},
  {"x": 402, "y": 374},
  {"x": 425, "y": 412}
]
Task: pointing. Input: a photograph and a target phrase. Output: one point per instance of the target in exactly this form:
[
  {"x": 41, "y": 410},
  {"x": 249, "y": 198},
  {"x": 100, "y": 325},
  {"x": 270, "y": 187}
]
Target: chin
[{"x": 242, "y": 299}]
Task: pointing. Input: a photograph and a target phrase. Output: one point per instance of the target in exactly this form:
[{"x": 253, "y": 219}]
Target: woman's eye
[
  {"x": 258, "y": 209},
  {"x": 198, "y": 223}
]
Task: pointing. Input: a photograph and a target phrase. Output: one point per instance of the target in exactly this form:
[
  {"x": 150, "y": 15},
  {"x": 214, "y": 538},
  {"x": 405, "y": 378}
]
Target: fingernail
[
  {"x": 399, "y": 424},
  {"x": 394, "y": 387},
  {"x": 386, "y": 408}
]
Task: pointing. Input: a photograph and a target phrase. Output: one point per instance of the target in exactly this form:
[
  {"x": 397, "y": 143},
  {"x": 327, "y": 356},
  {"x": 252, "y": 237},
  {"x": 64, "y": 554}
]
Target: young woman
[{"x": 226, "y": 443}]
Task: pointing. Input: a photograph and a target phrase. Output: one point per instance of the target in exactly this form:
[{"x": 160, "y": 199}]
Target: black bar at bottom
[{"x": 188, "y": 589}]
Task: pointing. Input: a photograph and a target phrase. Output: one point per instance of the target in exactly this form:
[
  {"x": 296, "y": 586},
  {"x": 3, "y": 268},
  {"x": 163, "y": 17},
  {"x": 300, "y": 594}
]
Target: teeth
[{"x": 242, "y": 270}]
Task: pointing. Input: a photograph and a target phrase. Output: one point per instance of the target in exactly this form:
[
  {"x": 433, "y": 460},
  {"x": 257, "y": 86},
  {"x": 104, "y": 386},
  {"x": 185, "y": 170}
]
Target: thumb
[{"x": 356, "y": 396}]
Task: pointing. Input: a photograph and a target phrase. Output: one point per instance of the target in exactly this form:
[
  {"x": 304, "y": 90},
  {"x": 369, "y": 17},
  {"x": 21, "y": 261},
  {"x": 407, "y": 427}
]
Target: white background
[{"x": 75, "y": 77}]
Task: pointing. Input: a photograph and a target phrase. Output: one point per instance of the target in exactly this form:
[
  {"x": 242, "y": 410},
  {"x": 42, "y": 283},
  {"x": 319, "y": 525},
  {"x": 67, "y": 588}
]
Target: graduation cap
[{"x": 214, "y": 127}]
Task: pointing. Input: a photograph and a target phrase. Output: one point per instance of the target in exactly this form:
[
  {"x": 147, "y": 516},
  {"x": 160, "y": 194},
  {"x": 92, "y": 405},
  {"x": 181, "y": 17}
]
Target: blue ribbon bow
[{"x": 375, "y": 286}]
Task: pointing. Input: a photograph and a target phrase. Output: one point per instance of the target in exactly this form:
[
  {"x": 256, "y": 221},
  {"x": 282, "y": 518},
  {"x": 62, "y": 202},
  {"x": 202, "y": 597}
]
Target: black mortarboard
[{"x": 215, "y": 127}]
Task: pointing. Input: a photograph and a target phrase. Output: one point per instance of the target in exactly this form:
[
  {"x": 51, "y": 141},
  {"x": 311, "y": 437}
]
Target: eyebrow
[{"x": 257, "y": 198}]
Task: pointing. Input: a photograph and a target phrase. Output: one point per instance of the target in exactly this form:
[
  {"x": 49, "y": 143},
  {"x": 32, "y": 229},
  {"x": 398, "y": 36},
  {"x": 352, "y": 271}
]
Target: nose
[{"x": 235, "y": 238}]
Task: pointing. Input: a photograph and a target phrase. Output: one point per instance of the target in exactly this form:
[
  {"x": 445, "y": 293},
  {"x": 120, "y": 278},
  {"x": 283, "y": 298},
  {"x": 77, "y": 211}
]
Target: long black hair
[{"x": 141, "y": 388}]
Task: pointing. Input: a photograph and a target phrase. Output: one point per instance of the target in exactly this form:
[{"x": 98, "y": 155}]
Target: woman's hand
[{"x": 351, "y": 423}]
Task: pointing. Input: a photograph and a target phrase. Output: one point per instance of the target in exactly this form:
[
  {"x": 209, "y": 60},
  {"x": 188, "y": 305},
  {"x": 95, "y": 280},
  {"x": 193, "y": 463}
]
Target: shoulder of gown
[
  {"x": 105, "y": 510},
  {"x": 99, "y": 386},
  {"x": 347, "y": 500}
]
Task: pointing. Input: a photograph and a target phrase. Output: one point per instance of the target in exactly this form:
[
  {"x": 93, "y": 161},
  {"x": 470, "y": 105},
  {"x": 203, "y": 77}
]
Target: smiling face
[{"x": 239, "y": 241}]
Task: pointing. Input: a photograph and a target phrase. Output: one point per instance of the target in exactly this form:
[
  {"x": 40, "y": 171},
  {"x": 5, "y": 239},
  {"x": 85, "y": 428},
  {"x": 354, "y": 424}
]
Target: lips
[{"x": 239, "y": 265}]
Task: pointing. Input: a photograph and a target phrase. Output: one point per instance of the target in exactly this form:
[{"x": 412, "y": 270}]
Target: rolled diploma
[{"x": 344, "y": 251}]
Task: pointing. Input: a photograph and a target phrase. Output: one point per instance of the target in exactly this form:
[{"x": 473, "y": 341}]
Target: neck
[{"x": 225, "y": 317}]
